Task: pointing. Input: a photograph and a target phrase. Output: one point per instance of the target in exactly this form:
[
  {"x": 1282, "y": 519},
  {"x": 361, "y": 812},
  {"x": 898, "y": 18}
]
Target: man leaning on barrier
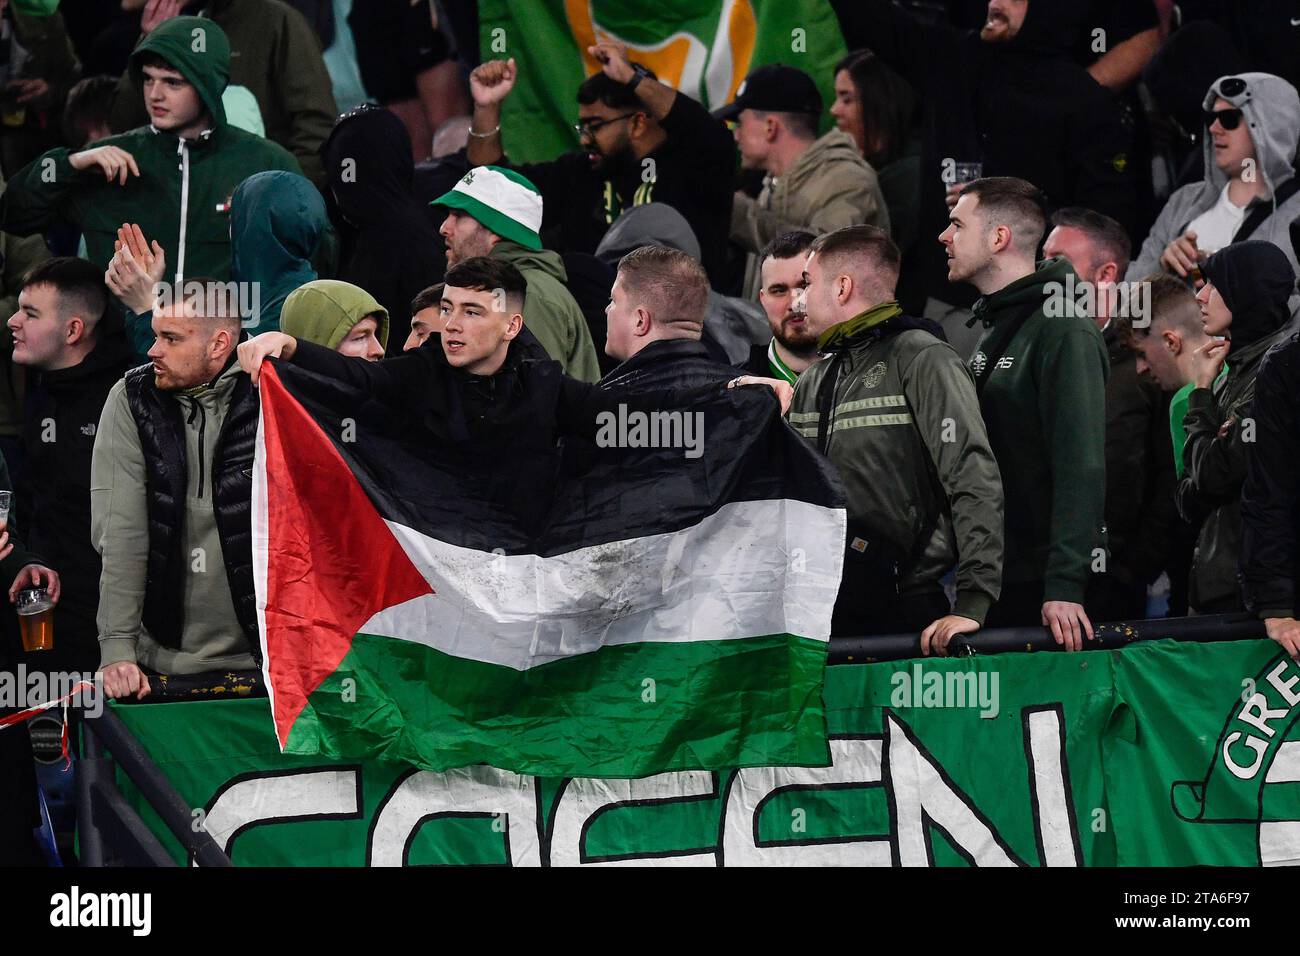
[{"x": 171, "y": 479}]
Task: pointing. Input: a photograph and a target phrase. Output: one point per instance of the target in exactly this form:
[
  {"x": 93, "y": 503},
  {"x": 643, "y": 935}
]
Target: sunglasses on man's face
[{"x": 1228, "y": 119}]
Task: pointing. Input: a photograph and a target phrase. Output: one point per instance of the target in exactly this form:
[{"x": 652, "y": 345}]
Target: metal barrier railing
[
  {"x": 1107, "y": 637},
  {"x": 106, "y": 821},
  {"x": 103, "y": 811}
]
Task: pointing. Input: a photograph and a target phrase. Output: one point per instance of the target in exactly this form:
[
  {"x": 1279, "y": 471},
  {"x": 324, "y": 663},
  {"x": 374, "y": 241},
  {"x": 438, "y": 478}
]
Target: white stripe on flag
[
  {"x": 751, "y": 569},
  {"x": 261, "y": 540}
]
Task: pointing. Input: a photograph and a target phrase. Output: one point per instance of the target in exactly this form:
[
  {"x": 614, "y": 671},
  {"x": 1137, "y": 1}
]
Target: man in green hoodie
[
  {"x": 174, "y": 177},
  {"x": 1042, "y": 387},
  {"x": 275, "y": 57},
  {"x": 497, "y": 212},
  {"x": 170, "y": 502}
]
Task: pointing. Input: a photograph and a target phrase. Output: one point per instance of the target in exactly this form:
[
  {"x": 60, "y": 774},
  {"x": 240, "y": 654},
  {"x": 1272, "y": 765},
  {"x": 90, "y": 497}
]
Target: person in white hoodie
[{"x": 1250, "y": 189}]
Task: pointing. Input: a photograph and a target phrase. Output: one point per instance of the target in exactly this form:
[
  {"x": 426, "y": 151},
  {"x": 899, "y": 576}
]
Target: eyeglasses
[
  {"x": 1228, "y": 119},
  {"x": 589, "y": 127}
]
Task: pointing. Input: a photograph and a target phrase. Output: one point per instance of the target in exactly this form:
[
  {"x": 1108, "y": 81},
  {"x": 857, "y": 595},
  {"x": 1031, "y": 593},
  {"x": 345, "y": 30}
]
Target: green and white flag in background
[{"x": 702, "y": 47}]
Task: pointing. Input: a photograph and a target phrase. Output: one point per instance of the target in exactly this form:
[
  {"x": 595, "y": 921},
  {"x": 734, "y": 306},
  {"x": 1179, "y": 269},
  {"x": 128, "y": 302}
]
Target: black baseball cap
[{"x": 775, "y": 89}]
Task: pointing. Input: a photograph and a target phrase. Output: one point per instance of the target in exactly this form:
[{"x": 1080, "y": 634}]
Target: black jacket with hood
[
  {"x": 1255, "y": 279},
  {"x": 391, "y": 246},
  {"x": 1021, "y": 107}
]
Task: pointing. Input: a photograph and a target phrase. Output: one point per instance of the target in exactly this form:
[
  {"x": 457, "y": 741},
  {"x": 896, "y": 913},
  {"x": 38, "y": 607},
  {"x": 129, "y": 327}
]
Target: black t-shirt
[{"x": 693, "y": 171}]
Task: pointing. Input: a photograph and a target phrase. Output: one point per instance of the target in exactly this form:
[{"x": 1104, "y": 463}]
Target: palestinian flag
[{"x": 667, "y": 612}]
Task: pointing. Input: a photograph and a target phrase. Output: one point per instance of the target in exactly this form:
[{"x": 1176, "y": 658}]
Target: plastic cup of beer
[{"x": 36, "y": 619}]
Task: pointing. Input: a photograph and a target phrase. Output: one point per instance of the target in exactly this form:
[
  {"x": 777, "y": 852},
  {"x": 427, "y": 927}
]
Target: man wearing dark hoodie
[
  {"x": 1007, "y": 97},
  {"x": 895, "y": 409},
  {"x": 497, "y": 212},
  {"x": 174, "y": 178},
  {"x": 1042, "y": 387},
  {"x": 1244, "y": 310},
  {"x": 63, "y": 337},
  {"x": 390, "y": 242},
  {"x": 170, "y": 502},
  {"x": 732, "y": 326},
  {"x": 276, "y": 57},
  {"x": 1250, "y": 189}
]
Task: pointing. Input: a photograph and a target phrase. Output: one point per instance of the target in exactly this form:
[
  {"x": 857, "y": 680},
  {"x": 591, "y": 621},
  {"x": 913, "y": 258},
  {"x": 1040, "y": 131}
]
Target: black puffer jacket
[{"x": 162, "y": 438}]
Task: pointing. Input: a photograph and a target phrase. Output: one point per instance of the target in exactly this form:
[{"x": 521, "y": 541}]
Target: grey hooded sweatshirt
[{"x": 1271, "y": 107}]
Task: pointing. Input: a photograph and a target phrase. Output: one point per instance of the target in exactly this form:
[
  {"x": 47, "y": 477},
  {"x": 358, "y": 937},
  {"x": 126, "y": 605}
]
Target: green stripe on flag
[{"x": 637, "y": 704}]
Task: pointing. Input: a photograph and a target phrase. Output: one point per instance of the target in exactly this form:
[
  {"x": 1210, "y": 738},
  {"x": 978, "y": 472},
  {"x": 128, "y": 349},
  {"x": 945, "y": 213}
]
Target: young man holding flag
[
  {"x": 424, "y": 533},
  {"x": 476, "y": 383}
]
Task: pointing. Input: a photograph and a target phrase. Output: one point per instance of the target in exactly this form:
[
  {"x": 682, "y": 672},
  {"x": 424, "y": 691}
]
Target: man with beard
[
  {"x": 1007, "y": 97},
  {"x": 896, "y": 411},
  {"x": 170, "y": 485},
  {"x": 641, "y": 142},
  {"x": 793, "y": 346}
]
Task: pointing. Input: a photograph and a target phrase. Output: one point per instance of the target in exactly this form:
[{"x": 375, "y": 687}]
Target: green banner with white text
[
  {"x": 1160, "y": 754},
  {"x": 702, "y": 47}
]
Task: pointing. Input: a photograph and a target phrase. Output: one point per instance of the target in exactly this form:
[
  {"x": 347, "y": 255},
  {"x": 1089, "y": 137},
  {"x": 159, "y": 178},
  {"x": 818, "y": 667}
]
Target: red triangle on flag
[{"x": 331, "y": 561}]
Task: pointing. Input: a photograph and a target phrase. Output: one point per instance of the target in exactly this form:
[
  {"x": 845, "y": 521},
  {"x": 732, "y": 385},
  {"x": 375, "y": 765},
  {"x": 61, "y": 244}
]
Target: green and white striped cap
[{"x": 502, "y": 200}]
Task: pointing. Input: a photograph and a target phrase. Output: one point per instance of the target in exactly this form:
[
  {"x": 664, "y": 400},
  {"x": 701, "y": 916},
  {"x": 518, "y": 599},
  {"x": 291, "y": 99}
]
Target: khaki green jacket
[{"x": 906, "y": 435}]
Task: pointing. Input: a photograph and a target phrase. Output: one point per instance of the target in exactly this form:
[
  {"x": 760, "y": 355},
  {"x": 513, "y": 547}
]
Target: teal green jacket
[{"x": 1044, "y": 404}]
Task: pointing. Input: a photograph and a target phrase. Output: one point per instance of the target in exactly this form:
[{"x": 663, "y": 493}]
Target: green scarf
[{"x": 837, "y": 336}]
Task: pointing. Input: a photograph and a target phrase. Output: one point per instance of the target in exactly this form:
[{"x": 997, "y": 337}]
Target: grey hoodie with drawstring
[{"x": 1271, "y": 109}]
